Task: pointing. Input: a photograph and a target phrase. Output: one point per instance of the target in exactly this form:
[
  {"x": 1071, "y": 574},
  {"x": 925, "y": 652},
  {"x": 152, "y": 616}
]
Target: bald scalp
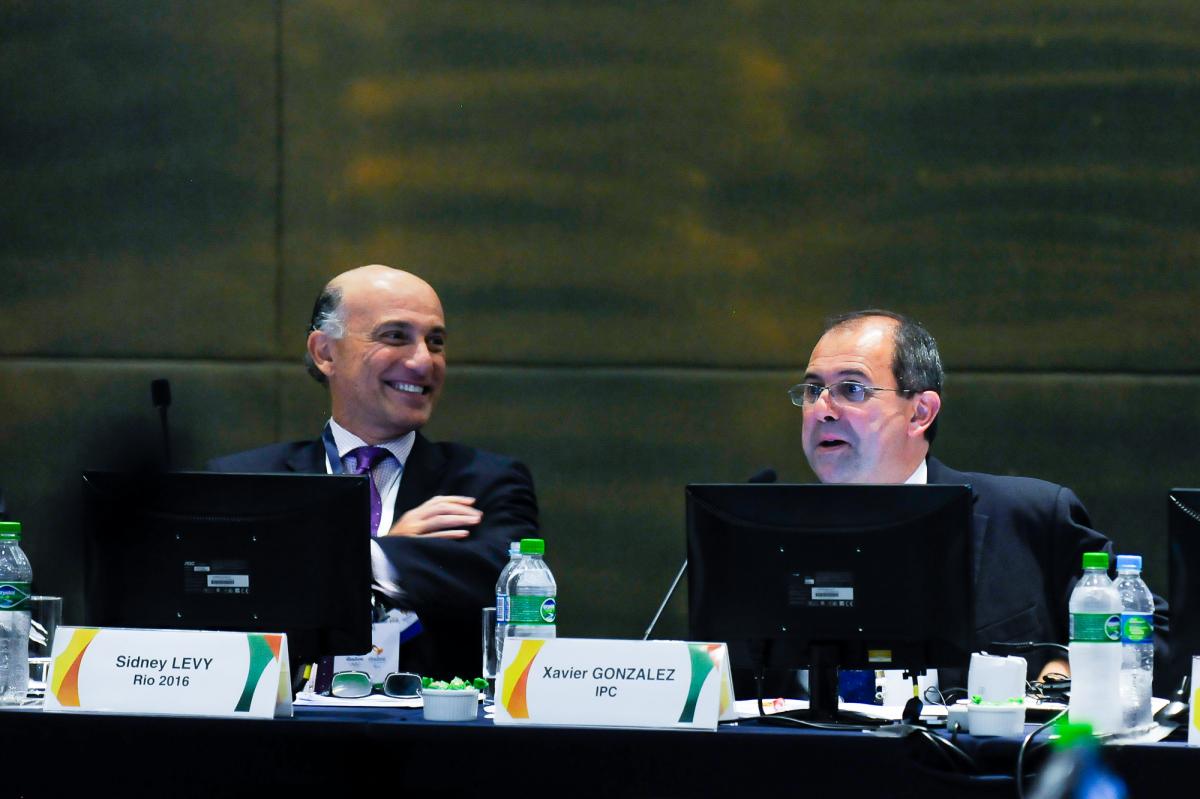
[
  {"x": 330, "y": 311},
  {"x": 364, "y": 277}
]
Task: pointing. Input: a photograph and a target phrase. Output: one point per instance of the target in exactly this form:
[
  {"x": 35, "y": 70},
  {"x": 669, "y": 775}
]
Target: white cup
[{"x": 996, "y": 680}]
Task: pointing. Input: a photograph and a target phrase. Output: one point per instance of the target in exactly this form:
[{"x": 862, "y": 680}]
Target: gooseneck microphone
[
  {"x": 761, "y": 476},
  {"x": 160, "y": 395}
]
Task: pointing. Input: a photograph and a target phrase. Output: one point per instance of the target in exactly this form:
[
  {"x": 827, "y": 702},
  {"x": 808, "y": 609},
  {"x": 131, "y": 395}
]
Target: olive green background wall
[{"x": 637, "y": 215}]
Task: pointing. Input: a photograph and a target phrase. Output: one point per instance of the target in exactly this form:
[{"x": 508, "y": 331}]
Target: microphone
[
  {"x": 767, "y": 475},
  {"x": 160, "y": 395},
  {"x": 763, "y": 476}
]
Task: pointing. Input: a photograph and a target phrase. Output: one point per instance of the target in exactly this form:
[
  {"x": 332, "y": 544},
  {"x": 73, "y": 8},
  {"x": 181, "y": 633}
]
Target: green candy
[{"x": 457, "y": 684}]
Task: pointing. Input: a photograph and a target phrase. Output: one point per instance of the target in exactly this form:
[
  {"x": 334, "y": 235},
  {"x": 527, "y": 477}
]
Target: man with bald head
[
  {"x": 443, "y": 513},
  {"x": 871, "y": 397}
]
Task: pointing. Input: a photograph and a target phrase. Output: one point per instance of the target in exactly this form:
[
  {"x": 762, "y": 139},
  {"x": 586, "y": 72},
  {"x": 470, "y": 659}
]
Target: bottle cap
[
  {"x": 10, "y": 531},
  {"x": 533, "y": 546},
  {"x": 1095, "y": 560},
  {"x": 1072, "y": 733},
  {"x": 1129, "y": 563}
]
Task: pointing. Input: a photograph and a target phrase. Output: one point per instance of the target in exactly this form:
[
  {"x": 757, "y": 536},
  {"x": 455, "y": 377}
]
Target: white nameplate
[
  {"x": 172, "y": 672},
  {"x": 1194, "y": 705},
  {"x": 608, "y": 683}
]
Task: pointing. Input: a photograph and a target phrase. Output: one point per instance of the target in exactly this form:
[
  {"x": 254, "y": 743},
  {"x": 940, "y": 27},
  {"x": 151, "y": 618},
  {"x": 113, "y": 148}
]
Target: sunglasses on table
[{"x": 357, "y": 684}]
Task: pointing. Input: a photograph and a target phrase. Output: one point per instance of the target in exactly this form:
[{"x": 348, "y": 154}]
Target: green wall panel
[
  {"x": 139, "y": 174},
  {"x": 617, "y": 183}
]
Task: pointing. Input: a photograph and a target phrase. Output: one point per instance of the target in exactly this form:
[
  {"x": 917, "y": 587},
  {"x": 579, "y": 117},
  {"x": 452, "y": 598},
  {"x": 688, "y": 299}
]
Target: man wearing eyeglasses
[{"x": 871, "y": 396}]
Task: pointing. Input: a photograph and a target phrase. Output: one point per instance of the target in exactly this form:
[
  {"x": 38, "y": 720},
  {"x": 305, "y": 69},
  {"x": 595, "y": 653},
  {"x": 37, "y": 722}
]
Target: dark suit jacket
[
  {"x": 1028, "y": 545},
  {"x": 445, "y": 581},
  {"x": 1028, "y": 540}
]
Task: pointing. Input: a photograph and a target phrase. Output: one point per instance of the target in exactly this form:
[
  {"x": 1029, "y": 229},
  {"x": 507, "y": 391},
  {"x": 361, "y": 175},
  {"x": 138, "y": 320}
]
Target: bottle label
[
  {"x": 14, "y": 596},
  {"x": 501, "y": 609},
  {"x": 1137, "y": 628},
  {"x": 1096, "y": 628},
  {"x": 531, "y": 609}
]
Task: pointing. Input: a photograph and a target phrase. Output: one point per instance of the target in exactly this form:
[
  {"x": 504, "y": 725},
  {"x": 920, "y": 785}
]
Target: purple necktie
[{"x": 362, "y": 461}]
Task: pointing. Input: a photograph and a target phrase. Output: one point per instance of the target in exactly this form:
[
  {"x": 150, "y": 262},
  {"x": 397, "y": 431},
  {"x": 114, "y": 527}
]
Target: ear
[
  {"x": 928, "y": 403},
  {"x": 320, "y": 349}
]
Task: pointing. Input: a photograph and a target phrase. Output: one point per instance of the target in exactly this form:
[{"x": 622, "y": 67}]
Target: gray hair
[{"x": 327, "y": 317}]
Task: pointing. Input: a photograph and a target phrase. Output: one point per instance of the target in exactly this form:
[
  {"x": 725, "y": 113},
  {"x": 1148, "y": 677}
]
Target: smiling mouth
[{"x": 408, "y": 388}]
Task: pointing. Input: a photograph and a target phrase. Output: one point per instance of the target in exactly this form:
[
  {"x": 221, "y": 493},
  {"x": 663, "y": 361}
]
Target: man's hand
[{"x": 439, "y": 517}]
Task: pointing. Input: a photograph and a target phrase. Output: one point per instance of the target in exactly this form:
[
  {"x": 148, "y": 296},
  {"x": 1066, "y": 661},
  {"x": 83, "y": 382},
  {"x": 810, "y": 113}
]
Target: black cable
[
  {"x": 933, "y": 695},
  {"x": 1024, "y": 646},
  {"x": 1057, "y": 690},
  {"x": 943, "y": 698},
  {"x": 972, "y": 766},
  {"x": 949, "y": 761},
  {"x": 1020, "y": 778}
]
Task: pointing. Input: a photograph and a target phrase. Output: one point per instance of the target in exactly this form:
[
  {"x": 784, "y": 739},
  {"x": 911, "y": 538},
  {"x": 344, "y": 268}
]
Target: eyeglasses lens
[
  {"x": 402, "y": 685},
  {"x": 350, "y": 684}
]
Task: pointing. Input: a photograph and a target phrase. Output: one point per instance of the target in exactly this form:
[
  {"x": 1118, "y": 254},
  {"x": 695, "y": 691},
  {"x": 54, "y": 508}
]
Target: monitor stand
[{"x": 822, "y": 696}]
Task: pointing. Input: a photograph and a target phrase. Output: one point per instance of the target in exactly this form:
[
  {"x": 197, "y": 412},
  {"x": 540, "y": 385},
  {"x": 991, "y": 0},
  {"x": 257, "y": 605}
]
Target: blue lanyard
[{"x": 331, "y": 451}]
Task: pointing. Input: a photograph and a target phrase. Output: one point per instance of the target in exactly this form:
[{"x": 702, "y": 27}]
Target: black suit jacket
[
  {"x": 1029, "y": 537},
  {"x": 445, "y": 581}
]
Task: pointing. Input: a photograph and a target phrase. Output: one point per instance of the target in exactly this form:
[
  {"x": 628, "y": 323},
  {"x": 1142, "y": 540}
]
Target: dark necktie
[{"x": 362, "y": 461}]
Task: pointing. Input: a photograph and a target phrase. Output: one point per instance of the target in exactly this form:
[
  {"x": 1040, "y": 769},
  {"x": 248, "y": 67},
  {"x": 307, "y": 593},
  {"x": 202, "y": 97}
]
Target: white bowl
[
  {"x": 1007, "y": 719},
  {"x": 449, "y": 705}
]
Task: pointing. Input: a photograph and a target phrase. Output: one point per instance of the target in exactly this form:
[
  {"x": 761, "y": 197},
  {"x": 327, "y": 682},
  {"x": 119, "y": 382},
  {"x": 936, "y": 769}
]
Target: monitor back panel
[{"x": 231, "y": 552}]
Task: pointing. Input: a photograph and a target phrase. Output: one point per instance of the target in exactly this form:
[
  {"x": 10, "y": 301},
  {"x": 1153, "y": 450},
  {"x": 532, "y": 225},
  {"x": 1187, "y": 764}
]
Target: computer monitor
[
  {"x": 829, "y": 576},
  {"x": 239, "y": 552},
  {"x": 1183, "y": 570}
]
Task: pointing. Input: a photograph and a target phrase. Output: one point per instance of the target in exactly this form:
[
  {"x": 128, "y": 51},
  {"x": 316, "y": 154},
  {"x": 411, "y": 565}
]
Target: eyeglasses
[
  {"x": 357, "y": 684},
  {"x": 843, "y": 392}
]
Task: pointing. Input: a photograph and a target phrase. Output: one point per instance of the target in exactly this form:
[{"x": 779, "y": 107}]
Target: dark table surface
[{"x": 329, "y": 749}]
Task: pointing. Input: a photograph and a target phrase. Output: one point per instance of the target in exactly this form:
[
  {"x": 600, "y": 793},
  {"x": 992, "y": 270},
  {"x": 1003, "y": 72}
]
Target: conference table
[{"x": 396, "y": 752}]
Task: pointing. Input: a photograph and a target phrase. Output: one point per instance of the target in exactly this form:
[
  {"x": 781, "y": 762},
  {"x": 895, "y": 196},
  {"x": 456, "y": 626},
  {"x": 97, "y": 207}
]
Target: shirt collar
[
  {"x": 345, "y": 440},
  {"x": 919, "y": 477}
]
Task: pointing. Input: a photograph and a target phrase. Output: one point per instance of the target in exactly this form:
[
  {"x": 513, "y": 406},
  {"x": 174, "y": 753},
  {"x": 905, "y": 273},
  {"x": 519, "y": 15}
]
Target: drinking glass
[
  {"x": 45, "y": 614},
  {"x": 489, "y": 652}
]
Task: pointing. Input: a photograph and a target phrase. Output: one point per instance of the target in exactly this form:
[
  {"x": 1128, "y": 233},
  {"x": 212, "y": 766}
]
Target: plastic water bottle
[
  {"x": 1075, "y": 769},
  {"x": 15, "y": 578},
  {"x": 532, "y": 594},
  {"x": 1095, "y": 648},
  {"x": 514, "y": 554},
  {"x": 1137, "y": 643}
]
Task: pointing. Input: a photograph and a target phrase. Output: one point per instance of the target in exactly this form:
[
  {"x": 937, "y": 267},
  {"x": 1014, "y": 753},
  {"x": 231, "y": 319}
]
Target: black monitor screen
[
  {"x": 239, "y": 552},
  {"x": 857, "y": 576},
  {"x": 1183, "y": 568}
]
